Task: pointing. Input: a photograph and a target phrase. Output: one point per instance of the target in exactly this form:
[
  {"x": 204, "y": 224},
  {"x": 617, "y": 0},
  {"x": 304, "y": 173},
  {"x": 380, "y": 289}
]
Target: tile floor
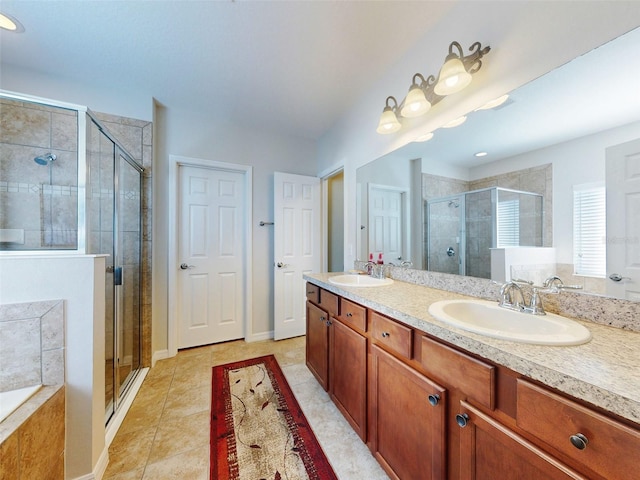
[{"x": 165, "y": 434}]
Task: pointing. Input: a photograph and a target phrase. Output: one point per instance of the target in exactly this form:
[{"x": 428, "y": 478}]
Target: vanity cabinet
[
  {"x": 406, "y": 419},
  {"x": 321, "y": 305},
  {"x": 337, "y": 353},
  {"x": 428, "y": 409}
]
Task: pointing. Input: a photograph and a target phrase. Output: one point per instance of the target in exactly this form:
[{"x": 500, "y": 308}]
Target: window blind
[
  {"x": 589, "y": 230},
  {"x": 509, "y": 223}
]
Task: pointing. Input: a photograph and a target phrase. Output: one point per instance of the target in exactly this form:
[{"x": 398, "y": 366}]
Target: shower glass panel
[
  {"x": 114, "y": 204},
  {"x": 445, "y": 235},
  {"x": 38, "y": 177},
  {"x": 462, "y": 229},
  {"x": 128, "y": 263},
  {"x": 479, "y": 233}
]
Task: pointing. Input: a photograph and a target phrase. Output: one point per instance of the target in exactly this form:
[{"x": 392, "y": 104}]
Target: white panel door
[
  {"x": 297, "y": 244},
  {"x": 623, "y": 220},
  {"x": 386, "y": 219},
  {"x": 210, "y": 254}
]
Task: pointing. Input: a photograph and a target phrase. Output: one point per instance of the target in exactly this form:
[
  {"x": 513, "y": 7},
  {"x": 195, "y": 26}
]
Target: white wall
[
  {"x": 183, "y": 133},
  {"x": 126, "y": 103},
  {"x": 528, "y": 39},
  {"x": 79, "y": 280}
]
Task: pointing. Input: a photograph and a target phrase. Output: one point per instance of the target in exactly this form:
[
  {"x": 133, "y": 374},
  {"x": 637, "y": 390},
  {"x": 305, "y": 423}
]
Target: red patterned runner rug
[{"x": 258, "y": 430}]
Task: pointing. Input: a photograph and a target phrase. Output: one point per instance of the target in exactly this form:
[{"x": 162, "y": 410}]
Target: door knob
[
  {"x": 184, "y": 266},
  {"x": 281, "y": 265},
  {"x": 616, "y": 277}
]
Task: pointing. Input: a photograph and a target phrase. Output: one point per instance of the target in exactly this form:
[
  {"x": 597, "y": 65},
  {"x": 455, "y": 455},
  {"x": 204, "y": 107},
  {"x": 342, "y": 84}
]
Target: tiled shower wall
[
  {"x": 33, "y": 342},
  {"x": 38, "y": 203}
]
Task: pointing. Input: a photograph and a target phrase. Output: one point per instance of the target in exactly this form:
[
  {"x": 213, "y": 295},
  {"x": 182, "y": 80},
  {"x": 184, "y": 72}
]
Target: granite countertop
[{"x": 603, "y": 372}]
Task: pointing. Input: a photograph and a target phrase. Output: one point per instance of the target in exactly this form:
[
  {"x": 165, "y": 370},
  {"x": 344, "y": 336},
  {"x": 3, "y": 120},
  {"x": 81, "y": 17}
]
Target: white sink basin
[
  {"x": 359, "y": 281},
  {"x": 487, "y": 318}
]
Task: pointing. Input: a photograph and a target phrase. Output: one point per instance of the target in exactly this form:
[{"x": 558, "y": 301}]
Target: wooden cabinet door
[
  {"x": 318, "y": 344},
  {"x": 348, "y": 374},
  {"x": 406, "y": 432},
  {"x": 490, "y": 450}
]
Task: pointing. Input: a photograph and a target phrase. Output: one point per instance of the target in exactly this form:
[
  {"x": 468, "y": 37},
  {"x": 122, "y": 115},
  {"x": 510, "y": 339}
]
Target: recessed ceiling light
[
  {"x": 496, "y": 102},
  {"x": 7, "y": 22},
  {"x": 455, "y": 123},
  {"x": 425, "y": 137},
  {"x": 481, "y": 154}
]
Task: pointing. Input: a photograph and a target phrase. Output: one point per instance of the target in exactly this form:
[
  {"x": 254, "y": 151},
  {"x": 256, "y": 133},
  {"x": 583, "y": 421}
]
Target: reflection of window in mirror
[
  {"x": 589, "y": 229},
  {"x": 509, "y": 223}
]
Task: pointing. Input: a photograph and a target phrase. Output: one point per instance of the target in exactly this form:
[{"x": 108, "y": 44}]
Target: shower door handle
[{"x": 117, "y": 276}]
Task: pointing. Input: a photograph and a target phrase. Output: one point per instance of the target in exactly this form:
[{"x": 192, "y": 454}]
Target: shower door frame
[
  {"x": 121, "y": 388},
  {"x": 120, "y": 391}
]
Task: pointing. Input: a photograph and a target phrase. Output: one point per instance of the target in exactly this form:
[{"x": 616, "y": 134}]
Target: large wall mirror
[{"x": 557, "y": 193}]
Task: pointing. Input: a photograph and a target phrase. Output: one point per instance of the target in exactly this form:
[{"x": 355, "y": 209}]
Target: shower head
[{"x": 45, "y": 159}]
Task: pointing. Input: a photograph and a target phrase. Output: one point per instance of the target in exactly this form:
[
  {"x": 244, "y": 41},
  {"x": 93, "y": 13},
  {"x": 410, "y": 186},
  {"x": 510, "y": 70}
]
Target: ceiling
[{"x": 294, "y": 67}]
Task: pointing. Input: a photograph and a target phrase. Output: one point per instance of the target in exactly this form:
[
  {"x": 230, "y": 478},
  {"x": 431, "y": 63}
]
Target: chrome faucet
[
  {"x": 556, "y": 285},
  {"x": 507, "y": 297}
]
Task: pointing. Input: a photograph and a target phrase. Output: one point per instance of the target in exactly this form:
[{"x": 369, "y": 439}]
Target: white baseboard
[
  {"x": 159, "y": 355},
  {"x": 99, "y": 469},
  {"x": 258, "y": 337},
  {"x": 118, "y": 417}
]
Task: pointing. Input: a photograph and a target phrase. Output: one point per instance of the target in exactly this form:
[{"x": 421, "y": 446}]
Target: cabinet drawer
[
  {"x": 473, "y": 377},
  {"x": 391, "y": 335},
  {"x": 611, "y": 448},
  {"x": 313, "y": 293},
  {"x": 353, "y": 314},
  {"x": 329, "y": 302}
]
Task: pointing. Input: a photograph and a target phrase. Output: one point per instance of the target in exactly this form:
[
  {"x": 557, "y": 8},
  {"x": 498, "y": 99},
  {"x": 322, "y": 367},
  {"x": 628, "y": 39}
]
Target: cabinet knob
[
  {"x": 385, "y": 334},
  {"x": 349, "y": 314},
  {"x": 462, "y": 419},
  {"x": 329, "y": 322},
  {"x": 323, "y": 319},
  {"x": 434, "y": 399},
  {"x": 579, "y": 441}
]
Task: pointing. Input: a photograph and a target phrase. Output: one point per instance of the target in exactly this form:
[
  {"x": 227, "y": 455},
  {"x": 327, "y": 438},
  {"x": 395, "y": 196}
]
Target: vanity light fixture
[
  {"x": 455, "y": 74},
  {"x": 388, "y": 121},
  {"x": 7, "y": 22}
]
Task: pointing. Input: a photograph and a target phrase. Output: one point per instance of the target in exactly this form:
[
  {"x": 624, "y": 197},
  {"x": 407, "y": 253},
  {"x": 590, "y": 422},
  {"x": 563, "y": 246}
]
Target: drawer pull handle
[
  {"x": 386, "y": 334},
  {"x": 579, "y": 441},
  {"x": 349, "y": 314},
  {"x": 462, "y": 419},
  {"x": 434, "y": 399}
]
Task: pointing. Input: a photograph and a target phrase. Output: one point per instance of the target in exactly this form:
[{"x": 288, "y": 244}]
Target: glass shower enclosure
[
  {"x": 67, "y": 186},
  {"x": 462, "y": 229}
]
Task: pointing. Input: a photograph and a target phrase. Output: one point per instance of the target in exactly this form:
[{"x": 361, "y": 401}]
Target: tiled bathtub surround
[
  {"x": 31, "y": 344},
  {"x": 32, "y": 439},
  {"x": 594, "y": 308}
]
